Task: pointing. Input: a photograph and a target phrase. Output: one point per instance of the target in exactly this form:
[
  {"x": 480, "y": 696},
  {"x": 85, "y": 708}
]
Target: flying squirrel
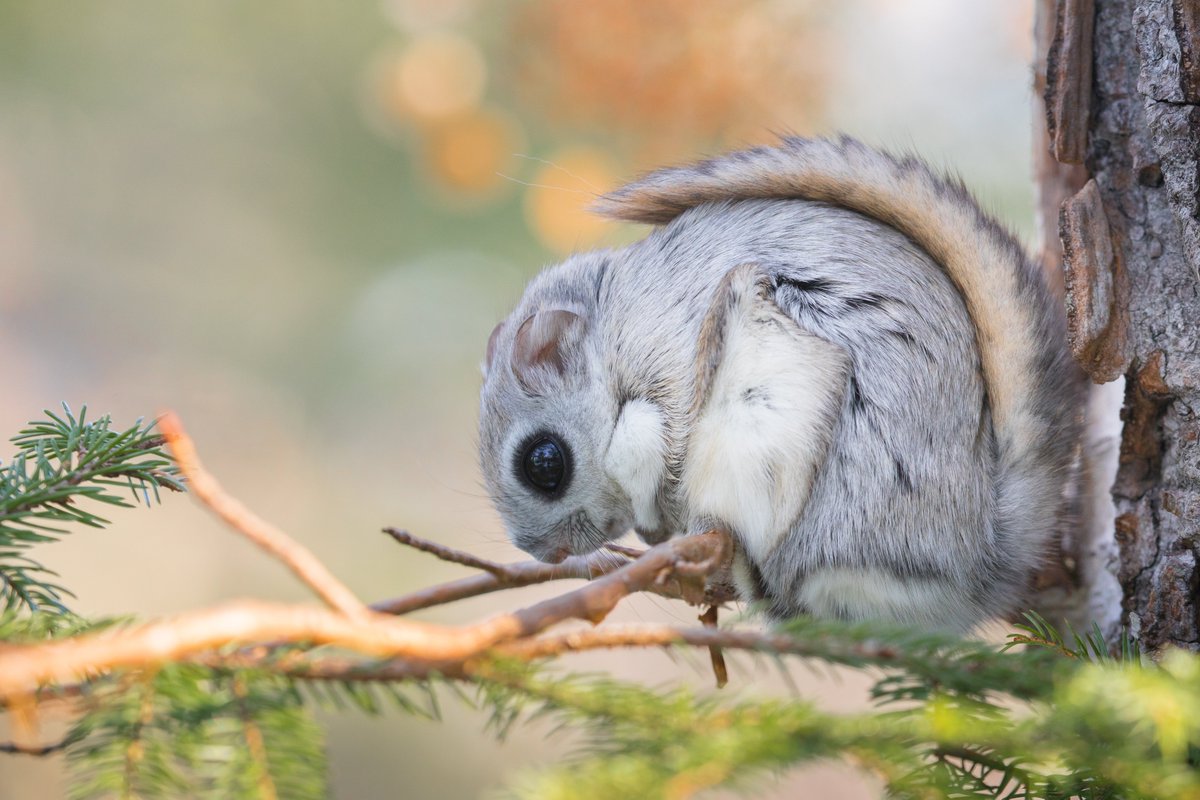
[{"x": 830, "y": 352}]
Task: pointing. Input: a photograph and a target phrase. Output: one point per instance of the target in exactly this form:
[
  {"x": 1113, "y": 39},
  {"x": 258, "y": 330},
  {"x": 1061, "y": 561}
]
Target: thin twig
[
  {"x": 514, "y": 575},
  {"x": 298, "y": 558},
  {"x": 445, "y": 553},
  {"x": 528, "y": 573}
]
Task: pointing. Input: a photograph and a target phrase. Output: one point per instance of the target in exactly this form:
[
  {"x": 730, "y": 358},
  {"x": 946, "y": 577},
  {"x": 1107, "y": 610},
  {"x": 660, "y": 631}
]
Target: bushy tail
[{"x": 1019, "y": 322}]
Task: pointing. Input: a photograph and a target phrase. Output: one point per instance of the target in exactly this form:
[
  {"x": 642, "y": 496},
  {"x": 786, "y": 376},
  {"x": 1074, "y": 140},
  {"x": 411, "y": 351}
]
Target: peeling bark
[
  {"x": 1096, "y": 291},
  {"x": 1079, "y": 585},
  {"x": 1142, "y": 207},
  {"x": 1069, "y": 80}
]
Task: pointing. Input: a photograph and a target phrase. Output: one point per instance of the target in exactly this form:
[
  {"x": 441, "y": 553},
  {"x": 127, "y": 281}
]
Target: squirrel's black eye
[{"x": 545, "y": 465}]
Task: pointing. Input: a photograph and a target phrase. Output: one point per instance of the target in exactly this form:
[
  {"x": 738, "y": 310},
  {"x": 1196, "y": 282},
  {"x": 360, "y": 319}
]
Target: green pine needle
[
  {"x": 63, "y": 466},
  {"x": 189, "y": 731},
  {"x": 1038, "y": 632}
]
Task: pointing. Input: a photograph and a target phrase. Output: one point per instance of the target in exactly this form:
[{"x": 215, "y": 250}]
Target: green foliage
[
  {"x": 1103, "y": 728},
  {"x": 61, "y": 461},
  {"x": 189, "y": 731},
  {"x": 412, "y": 698},
  {"x": 1100, "y": 728},
  {"x": 183, "y": 730},
  {"x": 17, "y": 627},
  {"x": 646, "y": 743},
  {"x": 1036, "y": 631},
  {"x": 919, "y": 662}
]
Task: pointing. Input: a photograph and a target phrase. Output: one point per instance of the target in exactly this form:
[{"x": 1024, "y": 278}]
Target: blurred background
[{"x": 295, "y": 223}]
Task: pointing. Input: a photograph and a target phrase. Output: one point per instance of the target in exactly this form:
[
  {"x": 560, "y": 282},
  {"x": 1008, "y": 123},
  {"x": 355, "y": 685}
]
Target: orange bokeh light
[
  {"x": 561, "y": 191},
  {"x": 438, "y": 76},
  {"x": 472, "y": 152},
  {"x": 667, "y": 75}
]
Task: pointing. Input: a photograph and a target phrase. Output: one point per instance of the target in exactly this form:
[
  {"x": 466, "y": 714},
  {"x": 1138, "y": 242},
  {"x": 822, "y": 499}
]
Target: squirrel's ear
[
  {"x": 546, "y": 347},
  {"x": 491, "y": 348}
]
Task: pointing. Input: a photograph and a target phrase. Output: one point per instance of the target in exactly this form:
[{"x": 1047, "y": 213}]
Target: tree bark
[{"x": 1118, "y": 168}]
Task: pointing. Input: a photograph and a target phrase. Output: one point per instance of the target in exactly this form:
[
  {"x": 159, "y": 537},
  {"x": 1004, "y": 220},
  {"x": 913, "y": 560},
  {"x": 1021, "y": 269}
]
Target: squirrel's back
[{"x": 1028, "y": 419}]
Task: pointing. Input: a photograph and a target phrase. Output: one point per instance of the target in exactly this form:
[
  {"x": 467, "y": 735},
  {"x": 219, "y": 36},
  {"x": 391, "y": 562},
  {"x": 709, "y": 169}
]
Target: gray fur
[{"x": 917, "y": 482}]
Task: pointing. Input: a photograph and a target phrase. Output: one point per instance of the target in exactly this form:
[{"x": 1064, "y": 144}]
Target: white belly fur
[
  {"x": 637, "y": 458},
  {"x": 863, "y": 593},
  {"x": 765, "y": 426}
]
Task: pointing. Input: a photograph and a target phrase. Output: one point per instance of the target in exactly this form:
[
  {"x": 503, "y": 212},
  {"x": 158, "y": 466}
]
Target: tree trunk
[{"x": 1118, "y": 168}]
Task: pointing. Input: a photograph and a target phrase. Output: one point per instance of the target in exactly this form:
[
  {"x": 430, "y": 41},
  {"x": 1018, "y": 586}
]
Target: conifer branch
[
  {"x": 205, "y": 704},
  {"x": 950, "y": 664},
  {"x": 61, "y": 461},
  {"x": 255, "y": 743},
  {"x": 969, "y": 669},
  {"x": 135, "y": 749}
]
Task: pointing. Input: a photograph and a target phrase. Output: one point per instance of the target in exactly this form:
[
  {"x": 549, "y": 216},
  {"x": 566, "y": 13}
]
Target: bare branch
[
  {"x": 23, "y": 668},
  {"x": 514, "y": 575},
  {"x": 615, "y": 636},
  {"x": 528, "y": 573},
  {"x": 298, "y": 558},
  {"x": 445, "y": 553},
  {"x": 609, "y": 637},
  {"x": 674, "y": 563}
]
